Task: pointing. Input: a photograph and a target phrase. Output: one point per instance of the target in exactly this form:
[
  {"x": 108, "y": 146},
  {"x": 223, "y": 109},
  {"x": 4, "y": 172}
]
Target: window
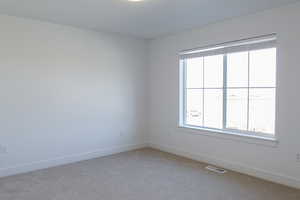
[{"x": 230, "y": 87}]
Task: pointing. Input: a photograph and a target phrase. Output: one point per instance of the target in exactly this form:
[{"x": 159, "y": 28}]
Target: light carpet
[{"x": 144, "y": 174}]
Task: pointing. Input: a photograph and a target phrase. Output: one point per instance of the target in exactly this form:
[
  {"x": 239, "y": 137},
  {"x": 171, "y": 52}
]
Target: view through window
[{"x": 231, "y": 90}]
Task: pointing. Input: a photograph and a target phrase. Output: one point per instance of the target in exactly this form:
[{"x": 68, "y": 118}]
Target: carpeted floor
[{"x": 144, "y": 174}]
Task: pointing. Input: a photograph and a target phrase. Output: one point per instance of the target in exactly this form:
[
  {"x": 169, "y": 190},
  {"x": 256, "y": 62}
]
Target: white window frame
[{"x": 261, "y": 42}]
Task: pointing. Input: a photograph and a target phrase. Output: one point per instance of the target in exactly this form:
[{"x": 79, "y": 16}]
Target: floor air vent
[{"x": 215, "y": 169}]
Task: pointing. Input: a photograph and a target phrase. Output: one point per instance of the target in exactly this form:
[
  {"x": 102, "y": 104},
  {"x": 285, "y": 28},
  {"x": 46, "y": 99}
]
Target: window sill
[{"x": 230, "y": 135}]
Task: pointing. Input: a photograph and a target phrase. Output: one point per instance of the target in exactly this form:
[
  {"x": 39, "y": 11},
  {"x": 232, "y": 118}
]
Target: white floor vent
[{"x": 215, "y": 169}]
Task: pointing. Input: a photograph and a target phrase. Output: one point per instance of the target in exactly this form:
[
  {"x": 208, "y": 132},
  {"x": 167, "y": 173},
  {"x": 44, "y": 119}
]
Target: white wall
[
  {"x": 67, "y": 94},
  {"x": 274, "y": 163}
]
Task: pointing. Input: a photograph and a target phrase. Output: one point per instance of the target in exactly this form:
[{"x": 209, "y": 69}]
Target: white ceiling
[{"x": 147, "y": 19}]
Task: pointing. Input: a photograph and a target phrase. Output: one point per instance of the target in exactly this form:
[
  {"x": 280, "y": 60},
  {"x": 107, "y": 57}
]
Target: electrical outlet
[
  {"x": 298, "y": 157},
  {"x": 2, "y": 150}
]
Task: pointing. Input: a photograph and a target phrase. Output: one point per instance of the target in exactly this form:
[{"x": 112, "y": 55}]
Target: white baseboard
[
  {"x": 28, "y": 167},
  {"x": 234, "y": 166},
  {"x": 42, "y": 164}
]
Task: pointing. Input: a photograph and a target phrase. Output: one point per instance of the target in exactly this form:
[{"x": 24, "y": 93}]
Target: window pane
[
  {"x": 237, "y": 69},
  {"x": 213, "y": 71},
  {"x": 237, "y": 100},
  {"x": 263, "y": 68},
  {"x": 194, "y": 70},
  {"x": 213, "y": 108},
  {"x": 262, "y": 110},
  {"x": 194, "y": 107}
]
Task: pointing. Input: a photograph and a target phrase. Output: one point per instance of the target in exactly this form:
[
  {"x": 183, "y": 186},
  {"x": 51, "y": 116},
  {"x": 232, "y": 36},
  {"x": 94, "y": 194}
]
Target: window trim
[
  {"x": 251, "y": 139},
  {"x": 254, "y": 43},
  {"x": 224, "y": 130}
]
